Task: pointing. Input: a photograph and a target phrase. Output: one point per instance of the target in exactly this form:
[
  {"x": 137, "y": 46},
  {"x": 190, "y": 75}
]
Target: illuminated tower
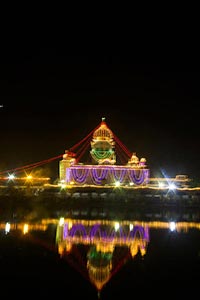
[
  {"x": 67, "y": 162},
  {"x": 102, "y": 145}
]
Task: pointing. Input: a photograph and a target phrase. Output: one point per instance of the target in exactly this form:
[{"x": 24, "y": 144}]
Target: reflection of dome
[{"x": 99, "y": 267}]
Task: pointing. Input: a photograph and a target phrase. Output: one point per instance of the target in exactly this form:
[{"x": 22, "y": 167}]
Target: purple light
[
  {"x": 80, "y": 174},
  {"x": 98, "y": 175},
  {"x": 109, "y": 235},
  {"x": 119, "y": 175}
]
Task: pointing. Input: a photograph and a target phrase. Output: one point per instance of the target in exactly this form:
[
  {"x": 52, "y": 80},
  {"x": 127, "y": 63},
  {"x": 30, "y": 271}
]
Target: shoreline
[{"x": 115, "y": 204}]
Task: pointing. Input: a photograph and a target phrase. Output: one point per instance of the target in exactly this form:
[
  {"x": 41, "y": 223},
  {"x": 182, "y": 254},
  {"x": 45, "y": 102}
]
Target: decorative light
[
  {"x": 61, "y": 221},
  {"x": 116, "y": 226},
  {"x": 25, "y": 229},
  {"x": 161, "y": 184},
  {"x": 97, "y": 174},
  {"x": 105, "y": 171},
  {"x": 172, "y": 226},
  {"x": 7, "y": 227},
  {"x": 171, "y": 186}
]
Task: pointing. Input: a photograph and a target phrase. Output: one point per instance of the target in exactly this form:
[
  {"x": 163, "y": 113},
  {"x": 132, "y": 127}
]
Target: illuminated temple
[{"x": 104, "y": 168}]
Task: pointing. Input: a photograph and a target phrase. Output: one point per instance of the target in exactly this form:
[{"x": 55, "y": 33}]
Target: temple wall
[{"x": 102, "y": 175}]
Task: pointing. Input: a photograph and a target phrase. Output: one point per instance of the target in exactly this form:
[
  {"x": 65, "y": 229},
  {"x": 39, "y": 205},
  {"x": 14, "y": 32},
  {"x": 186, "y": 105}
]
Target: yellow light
[
  {"x": 63, "y": 186},
  {"x": 61, "y": 221},
  {"x": 116, "y": 226},
  {"x": 161, "y": 184},
  {"x": 25, "y": 229}
]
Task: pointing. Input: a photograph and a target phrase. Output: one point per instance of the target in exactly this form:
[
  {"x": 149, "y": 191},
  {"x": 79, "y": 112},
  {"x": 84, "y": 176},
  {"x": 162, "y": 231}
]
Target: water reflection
[
  {"x": 101, "y": 238},
  {"x": 100, "y": 249}
]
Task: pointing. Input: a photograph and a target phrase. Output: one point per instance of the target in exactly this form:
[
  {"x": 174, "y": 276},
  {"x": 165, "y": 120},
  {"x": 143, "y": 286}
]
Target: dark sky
[{"x": 52, "y": 100}]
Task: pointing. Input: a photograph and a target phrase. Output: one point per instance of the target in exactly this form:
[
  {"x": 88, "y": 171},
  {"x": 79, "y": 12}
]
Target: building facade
[{"x": 103, "y": 169}]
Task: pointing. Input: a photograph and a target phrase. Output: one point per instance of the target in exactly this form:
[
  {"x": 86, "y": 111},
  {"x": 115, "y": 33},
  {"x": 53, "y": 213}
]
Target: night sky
[{"x": 52, "y": 100}]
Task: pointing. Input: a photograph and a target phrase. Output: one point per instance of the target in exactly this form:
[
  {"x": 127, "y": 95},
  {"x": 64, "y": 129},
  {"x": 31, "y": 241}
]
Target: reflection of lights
[
  {"x": 161, "y": 184},
  {"x": 131, "y": 226},
  {"x": 142, "y": 250},
  {"x": 117, "y": 183},
  {"x": 172, "y": 186},
  {"x": 63, "y": 186},
  {"x": 7, "y": 227},
  {"x": 61, "y": 221},
  {"x": 25, "y": 229},
  {"x": 116, "y": 226},
  {"x": 172, "y": 226}
]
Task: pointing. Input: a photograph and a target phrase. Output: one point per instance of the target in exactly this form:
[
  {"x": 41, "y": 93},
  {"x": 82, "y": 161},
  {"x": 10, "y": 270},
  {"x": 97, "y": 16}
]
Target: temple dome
[{"x": 103, "y": 132}]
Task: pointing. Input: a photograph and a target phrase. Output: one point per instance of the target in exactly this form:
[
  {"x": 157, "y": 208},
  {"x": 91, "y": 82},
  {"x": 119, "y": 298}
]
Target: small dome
[
  {"x": 134, "y": 158},
  {"x": 143, "y": 159}
]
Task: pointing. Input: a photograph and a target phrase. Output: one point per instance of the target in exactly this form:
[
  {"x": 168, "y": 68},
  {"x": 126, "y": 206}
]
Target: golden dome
[
  {"x": 143, "y": 159},
  {"x": 103, "y": 132}
]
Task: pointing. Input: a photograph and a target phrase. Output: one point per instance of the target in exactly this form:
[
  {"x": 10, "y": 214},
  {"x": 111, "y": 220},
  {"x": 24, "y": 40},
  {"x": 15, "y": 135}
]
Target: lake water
[{"x": 100, "y": 258}]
